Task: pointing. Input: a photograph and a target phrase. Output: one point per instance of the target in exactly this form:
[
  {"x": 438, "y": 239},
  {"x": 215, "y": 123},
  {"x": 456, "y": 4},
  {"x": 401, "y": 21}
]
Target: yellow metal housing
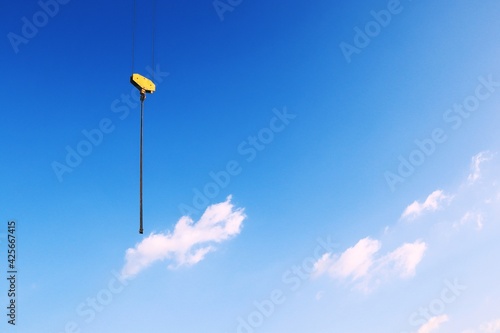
[{"x": 141, "y": 82}]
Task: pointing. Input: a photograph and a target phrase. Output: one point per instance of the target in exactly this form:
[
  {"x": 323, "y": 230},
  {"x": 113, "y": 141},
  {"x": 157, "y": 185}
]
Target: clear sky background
[{"x": 356, "y": 148}]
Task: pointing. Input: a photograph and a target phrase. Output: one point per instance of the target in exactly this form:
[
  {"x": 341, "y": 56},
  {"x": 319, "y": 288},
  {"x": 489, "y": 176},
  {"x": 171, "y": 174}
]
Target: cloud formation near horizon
[
  {"x": 365, "y": 266},
  {"x": 362, "y": 263},
  {"x": 189, "y": 242},
  {"x": 475, "y": 167},
  {"x": 432, "y": 203},
  {"x": 433, "y": 324},
  {"x": 489, "y": 327}
]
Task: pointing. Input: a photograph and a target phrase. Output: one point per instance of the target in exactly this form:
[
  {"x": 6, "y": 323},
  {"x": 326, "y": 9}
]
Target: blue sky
[{"x": 307, "y": 167}]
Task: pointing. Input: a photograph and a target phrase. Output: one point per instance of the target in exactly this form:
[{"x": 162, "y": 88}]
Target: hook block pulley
[{"x": 142, "y": 83}]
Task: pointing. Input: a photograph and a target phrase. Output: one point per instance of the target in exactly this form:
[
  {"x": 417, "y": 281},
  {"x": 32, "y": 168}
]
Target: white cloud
[
  {"x": 354, "y": 262},
  {"x": 432, "y": 203},
  {"x": 189, "y": 242},
  {"x": 432, "y": 324},
  {"x": 405, "y": 259},
  {"x": 360, "y": 263},
  {"x": 491, "y": 327},
  {"x": 470, "y": 217},
  {"x": 475, "y": 167},
  {"x": 364, "y": 266}
]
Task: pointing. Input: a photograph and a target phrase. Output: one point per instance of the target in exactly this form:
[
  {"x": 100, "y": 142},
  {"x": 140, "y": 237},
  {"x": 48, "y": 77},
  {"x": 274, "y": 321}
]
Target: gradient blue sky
[{"x": 321, "y": 176}]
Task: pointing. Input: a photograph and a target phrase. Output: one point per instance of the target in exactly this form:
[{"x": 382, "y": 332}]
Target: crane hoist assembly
[{"x": 145, "y": 86}]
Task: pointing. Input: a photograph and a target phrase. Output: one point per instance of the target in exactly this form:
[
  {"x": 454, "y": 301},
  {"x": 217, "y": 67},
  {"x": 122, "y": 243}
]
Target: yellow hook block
[{"x": 142, "y": 83}]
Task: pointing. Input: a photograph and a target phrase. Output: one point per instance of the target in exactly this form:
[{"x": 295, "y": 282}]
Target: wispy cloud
[
  {"x": 470, "y": 217},
  {"x": 362, "y": 265},
  {"x": 433, "y": 324},
  {"x": 433, "y": 202},
  {"x": 404, "y": 260},
  {"x": 489, "y": 327},
  {"x": 319, "y": 295},
  {"x": 475, "y": 167},
  {"x": 189, "y": 242}
]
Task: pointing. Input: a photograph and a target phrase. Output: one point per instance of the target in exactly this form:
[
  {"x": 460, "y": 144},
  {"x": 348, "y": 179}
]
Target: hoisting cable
[
  {"x": 144, "y": 85},
  {"x": 141, "y": 229},
  {"x": 134, "y": 11},
  {"x": 153, "y": 33}
]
